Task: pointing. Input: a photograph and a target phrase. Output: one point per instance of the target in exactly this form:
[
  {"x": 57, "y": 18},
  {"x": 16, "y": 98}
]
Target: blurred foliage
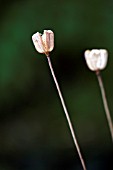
[{"x": 34, "y": 132}]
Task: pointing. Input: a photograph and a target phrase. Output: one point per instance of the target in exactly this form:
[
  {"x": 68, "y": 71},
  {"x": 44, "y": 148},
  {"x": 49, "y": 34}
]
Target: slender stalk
[
  {"x": 110, "y": 124},
  {"x": 66, "y": 114}
]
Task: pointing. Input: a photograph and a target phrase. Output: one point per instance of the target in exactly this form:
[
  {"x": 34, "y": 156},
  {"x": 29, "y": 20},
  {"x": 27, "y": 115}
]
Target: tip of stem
[
  {"x": 97, "y": 72},
  {"x": 47, "y": 54}
]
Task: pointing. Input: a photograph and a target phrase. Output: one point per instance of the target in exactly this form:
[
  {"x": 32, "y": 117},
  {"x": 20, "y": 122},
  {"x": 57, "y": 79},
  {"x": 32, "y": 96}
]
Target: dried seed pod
[
  {"x": 44, "y": 43},
  {"x": 96, "y": 59}
]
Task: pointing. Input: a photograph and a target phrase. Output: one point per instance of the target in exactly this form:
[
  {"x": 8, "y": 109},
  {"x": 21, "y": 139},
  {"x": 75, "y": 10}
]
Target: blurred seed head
[{"x": 96, "y": 59}]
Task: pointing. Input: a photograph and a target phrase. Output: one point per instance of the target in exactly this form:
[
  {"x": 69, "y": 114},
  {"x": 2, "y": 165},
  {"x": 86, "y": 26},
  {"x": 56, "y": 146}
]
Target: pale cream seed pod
[
  {"x": 96, "y": 59},
  {"x": 44, "y": 43}
]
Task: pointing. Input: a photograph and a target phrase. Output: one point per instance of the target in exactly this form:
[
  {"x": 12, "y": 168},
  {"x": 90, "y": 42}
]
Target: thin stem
[
  {"x": 66, "y": 114},
  {"x": 110, "y": 124}
]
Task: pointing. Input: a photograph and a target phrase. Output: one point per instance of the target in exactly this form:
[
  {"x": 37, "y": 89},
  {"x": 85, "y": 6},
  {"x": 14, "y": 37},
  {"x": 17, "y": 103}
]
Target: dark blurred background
[{"x": 34, "y": 134}]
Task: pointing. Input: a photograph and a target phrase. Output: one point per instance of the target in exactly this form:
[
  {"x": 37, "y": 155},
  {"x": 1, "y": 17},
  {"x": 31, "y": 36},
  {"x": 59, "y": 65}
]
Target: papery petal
[
  {"x": 94, "y": 58},
  {"x": 103, "y": 59},
  {"x": 48, "y": 40},
  {"x": 88, "y": 59},
  {"x": 51, "y": 39},
  {"x": 38, "y": 43}
]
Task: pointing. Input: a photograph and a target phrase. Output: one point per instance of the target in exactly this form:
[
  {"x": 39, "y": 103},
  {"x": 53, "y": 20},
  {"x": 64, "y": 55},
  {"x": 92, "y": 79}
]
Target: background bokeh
[{"x": 34, "y": 134}]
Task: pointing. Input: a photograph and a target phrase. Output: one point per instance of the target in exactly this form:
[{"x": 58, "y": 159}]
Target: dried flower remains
[
  {"x": 44, "y": 43},
  {"x": 96, "y": 59}
]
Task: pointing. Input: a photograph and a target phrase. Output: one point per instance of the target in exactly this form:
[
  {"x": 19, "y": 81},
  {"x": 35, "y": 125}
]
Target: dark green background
[{"x": 34, "y": 134}]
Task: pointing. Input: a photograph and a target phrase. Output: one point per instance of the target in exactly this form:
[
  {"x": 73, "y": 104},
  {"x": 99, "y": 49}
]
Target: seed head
[
  {"x": 96, "y": 59},
  {"x": 44, "y": 43}
]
